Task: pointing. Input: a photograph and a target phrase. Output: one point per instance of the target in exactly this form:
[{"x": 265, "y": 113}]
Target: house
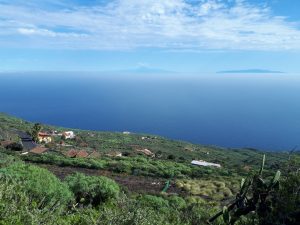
[
  {"x": 147, "y": 152},
  {"x": 204, "y": 163},
  {"x": 71, "y": 153},
  {"x": 68, "y": 134},
  {"x": 82, "y": 154},
  {"x": 44, "y": 137},
  {"x": 114, "y": 154},
  {"x": 39, "y": 150},
  {"x": 126, "y": 132}
]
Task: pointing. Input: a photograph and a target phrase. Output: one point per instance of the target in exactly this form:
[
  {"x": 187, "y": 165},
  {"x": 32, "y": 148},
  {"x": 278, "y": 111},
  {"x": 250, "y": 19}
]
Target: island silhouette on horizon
[{"x": 250, "y": 71}]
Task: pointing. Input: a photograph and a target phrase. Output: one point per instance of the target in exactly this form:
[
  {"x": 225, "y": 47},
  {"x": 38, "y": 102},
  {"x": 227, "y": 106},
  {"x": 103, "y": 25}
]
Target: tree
[
  {"x": 15, "y": 146},
  {"x": 35, "y": 131},
  {"x": 171, "y": 157}
]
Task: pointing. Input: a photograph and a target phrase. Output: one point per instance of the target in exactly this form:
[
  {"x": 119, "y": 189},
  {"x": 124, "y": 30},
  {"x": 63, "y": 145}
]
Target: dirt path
[{"x": 132, "y": 183}]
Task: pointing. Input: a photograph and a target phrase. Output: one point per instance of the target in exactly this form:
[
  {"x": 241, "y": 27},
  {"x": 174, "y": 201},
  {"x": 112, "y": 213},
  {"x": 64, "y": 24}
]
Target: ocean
[{"x": 259, "y": 111}]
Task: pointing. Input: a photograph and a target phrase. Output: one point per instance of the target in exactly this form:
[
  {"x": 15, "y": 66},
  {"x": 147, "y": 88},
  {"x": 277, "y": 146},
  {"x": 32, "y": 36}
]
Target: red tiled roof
[
  {"x": 82, "y": 154},
  {"x": 38, "y": 150},
  {"x": 44, "y": 134},
  {"x": 71, "y": 153}
]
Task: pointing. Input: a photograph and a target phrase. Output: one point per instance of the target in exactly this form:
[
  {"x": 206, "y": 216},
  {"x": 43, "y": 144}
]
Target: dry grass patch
[{"x": 214, "y": 189}]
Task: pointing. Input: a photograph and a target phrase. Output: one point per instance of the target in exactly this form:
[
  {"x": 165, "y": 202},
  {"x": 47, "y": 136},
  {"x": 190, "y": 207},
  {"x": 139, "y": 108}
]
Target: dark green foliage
[
  {"x": 15, "y": 146},
  {"x": 154, "y": 202},
  {"x": 171, "y": 157},
  {"x": 18, "y": 206},
  {"x": 177, "y": 202},
  {"x": 35, "y": 131},
  {"x": 92, "y": 190},
  {"x": 286, "y": 201},
  {"x": 256, "y": 195},
  {"x": 6, "y": 160},
  {"x": 41, "y": 185}
]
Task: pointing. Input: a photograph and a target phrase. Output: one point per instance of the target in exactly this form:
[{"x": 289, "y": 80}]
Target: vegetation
[
  {"x": 261, "y": 197},
  {"x": 91, "y": 190},
  {"x": 136, "y": 188},
  {"x": 213, "y": 189},
  {"x": 42, "y": 186},
  {"x": 15, "y": 146},
  {"x": 35, "y": 131}
]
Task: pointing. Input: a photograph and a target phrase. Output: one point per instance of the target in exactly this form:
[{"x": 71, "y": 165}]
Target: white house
[
  {"x": 69, "y": 134},
  {"x": 204, "y": 163}
]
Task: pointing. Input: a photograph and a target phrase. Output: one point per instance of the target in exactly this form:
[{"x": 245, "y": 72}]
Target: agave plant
[{"x": 254, "y": 196}]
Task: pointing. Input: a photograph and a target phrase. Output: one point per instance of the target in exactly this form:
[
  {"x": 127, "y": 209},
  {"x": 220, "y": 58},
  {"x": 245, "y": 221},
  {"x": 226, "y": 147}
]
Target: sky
[{"x": 174, "y": 35}]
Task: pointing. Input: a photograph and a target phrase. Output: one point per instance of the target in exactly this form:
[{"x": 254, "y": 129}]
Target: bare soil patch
[{"x": 132, "y": 183}]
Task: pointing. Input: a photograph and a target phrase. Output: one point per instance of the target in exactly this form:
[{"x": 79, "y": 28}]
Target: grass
[{"x": 215, "y": 189}]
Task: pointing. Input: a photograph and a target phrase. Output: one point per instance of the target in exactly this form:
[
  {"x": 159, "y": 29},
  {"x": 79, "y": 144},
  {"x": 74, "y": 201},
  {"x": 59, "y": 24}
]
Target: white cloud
[
  {"x": 128, "y": 24},
  {"x": 31, "y": 31}
]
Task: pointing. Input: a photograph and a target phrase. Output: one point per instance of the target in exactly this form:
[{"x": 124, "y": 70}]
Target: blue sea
[{"x": 231, "y": 110}]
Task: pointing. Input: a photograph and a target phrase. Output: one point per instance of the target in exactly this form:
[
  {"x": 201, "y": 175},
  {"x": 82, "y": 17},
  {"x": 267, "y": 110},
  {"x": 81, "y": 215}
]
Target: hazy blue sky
[{"x": 178, "y": 35}]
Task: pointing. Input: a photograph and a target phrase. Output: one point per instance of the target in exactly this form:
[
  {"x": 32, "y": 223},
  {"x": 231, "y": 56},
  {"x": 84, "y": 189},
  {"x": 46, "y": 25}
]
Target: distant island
[{"x": 250, "y": 71}]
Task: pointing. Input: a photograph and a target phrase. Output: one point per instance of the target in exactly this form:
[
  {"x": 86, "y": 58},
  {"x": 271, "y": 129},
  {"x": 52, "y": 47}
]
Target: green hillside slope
[{"x": 127, "y": 178}]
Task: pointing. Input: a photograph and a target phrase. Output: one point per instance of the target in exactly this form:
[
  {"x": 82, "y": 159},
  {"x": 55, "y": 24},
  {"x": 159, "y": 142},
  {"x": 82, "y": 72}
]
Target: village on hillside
[{"x": 68, "y": 144}]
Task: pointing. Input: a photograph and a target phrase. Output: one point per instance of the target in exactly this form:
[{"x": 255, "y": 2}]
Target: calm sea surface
[{"x": 259, "y": 110}]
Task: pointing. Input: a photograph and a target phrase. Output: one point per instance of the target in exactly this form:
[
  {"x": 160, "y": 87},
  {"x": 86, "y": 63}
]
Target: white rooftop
[{"x": 204, "y": 163}]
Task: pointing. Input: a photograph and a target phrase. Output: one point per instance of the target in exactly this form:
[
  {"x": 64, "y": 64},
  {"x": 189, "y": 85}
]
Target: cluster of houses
[
  {"x": 46, "y": 137},
  {"x": 148, "y": 138}
]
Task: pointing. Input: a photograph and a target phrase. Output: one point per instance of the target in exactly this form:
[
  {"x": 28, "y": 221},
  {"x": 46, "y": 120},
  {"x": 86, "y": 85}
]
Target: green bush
[
  {"x": 39, "y": 184},
  {"x": 177, "y": 202},
  {"x": 17, "y": 206},
  {"x": 6, "y": 160},
  {"x": 154, "y": 202},
  {"x": 15, "y": 146},
  {"x": 92, "y": 190}
]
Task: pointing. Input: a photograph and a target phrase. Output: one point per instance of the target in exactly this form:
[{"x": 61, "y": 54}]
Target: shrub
[
  {"x": 92, "y": 190},
  {"x": 154, "y": 202},
  {"x": 39, "y": 184},
  {"x": 18, "y": 207},
  {"x": 171, "y": 157},
  {"x": 15, "y": 147},
  {"x": 177, "y": 202},
  {"x": 6, "y": 160}
]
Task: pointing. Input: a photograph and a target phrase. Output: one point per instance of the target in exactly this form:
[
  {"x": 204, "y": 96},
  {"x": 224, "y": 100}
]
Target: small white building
[
  {"x": 126, "y": 132},
  {"x": 69, "y": 134},
  {"x": 204, "y": 163}
]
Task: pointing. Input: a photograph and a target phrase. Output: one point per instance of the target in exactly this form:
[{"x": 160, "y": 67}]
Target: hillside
[{"x": 150, "y": 170}]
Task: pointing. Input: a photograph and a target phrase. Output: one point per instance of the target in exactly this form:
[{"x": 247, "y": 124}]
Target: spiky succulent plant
[{"x": 254, "y": 196}]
